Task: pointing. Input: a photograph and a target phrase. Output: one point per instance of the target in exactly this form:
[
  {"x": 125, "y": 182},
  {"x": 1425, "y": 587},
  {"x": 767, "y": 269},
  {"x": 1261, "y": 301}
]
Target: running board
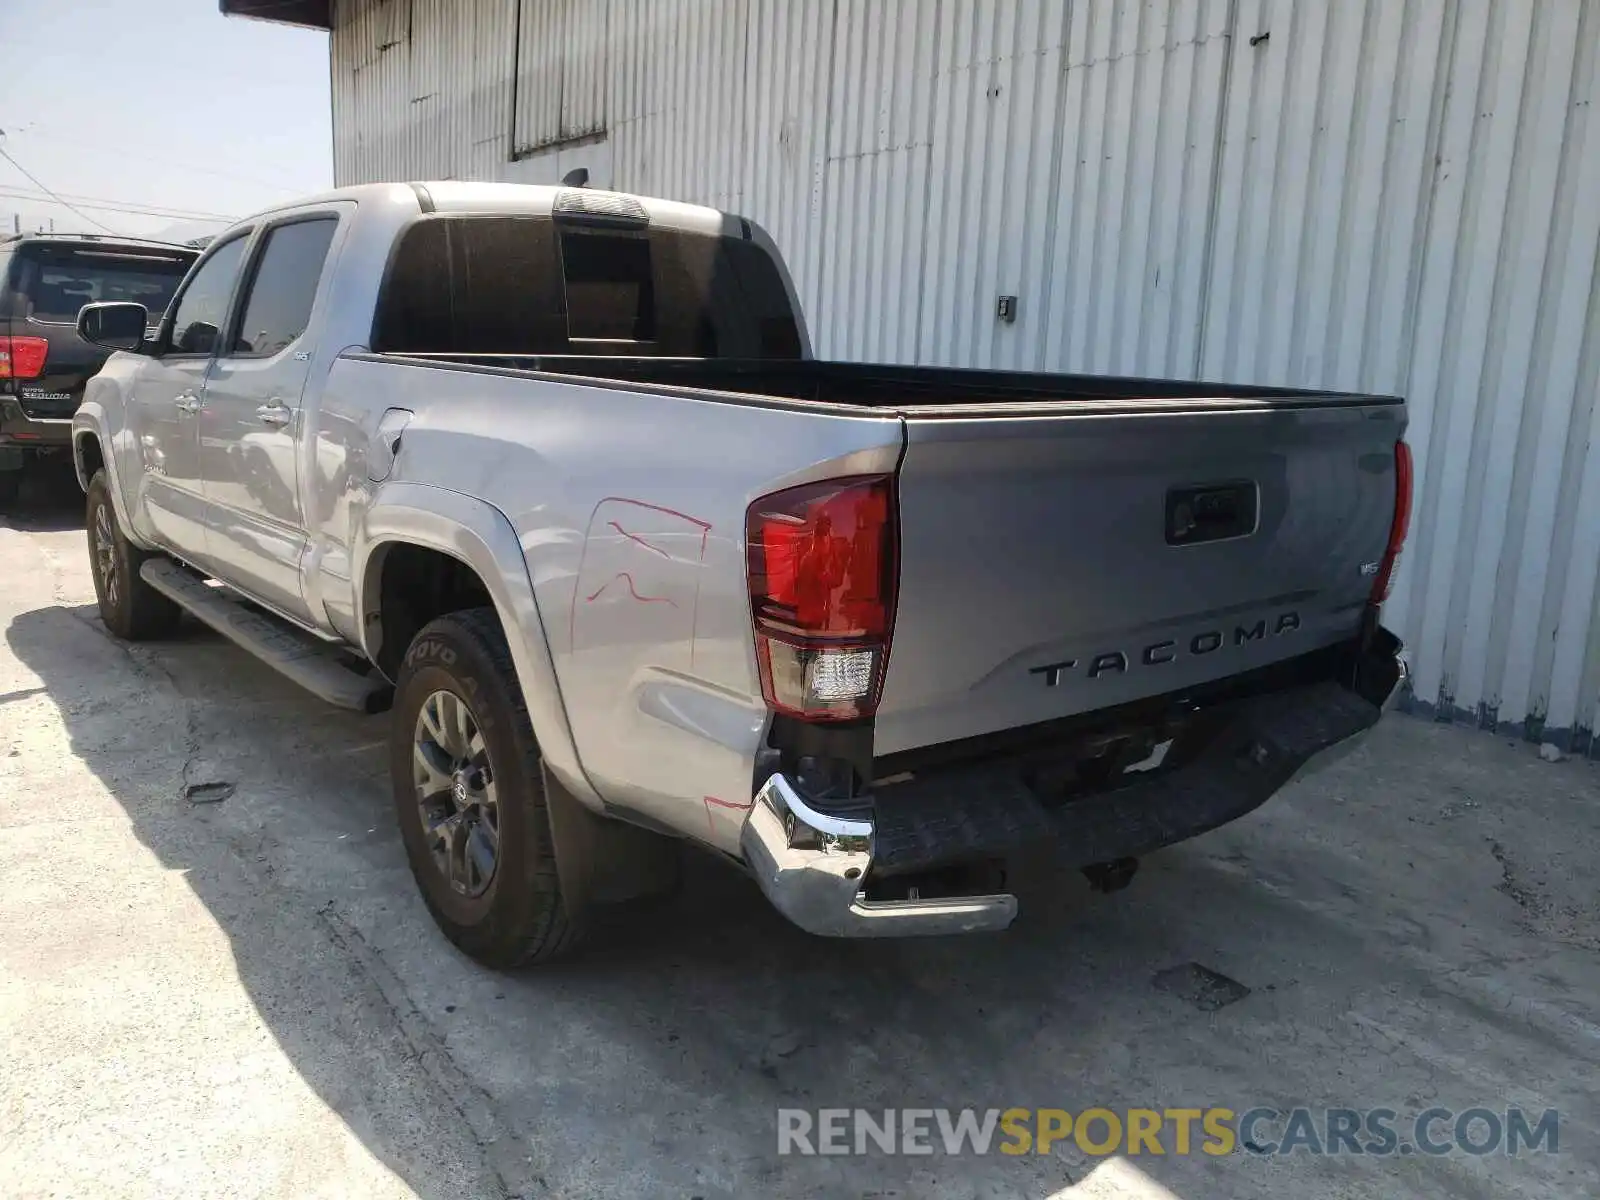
[{"x": 308, "y": 660}]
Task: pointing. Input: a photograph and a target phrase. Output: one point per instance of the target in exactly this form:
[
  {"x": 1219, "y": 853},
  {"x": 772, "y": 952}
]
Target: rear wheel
[
  {"x": 468, "y": 792},
  {"x": 10, "y": 487},
  {"x": 129, "y": 607}
]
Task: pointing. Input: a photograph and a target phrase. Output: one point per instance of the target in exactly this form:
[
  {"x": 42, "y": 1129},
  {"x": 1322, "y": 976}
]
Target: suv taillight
[
  {"x": 22, "y": 357},
  {"x": 823, "y": 572},
  {"x": 1399, "y": 527}
]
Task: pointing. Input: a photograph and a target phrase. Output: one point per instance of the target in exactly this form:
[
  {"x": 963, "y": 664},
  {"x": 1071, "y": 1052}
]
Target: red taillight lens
[
  {"x": 823, "y": 572},
  {"x": 1399, "y": 527},
  {"x": 22, "y": 357}
]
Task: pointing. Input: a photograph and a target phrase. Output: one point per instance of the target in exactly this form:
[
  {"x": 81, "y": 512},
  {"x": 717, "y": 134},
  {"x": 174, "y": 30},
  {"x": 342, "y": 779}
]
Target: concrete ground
[{"x": 246, "y": 997}]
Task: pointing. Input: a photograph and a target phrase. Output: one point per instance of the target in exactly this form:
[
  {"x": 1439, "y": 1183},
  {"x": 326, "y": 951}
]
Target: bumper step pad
[{"x": 989, "y": 810}]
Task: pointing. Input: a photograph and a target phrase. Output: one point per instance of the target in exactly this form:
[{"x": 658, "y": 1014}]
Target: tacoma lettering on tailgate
[{"x": 1167, "y": 650}]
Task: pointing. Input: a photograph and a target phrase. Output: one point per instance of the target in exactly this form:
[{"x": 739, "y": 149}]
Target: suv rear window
[
  {"x": 53, "y": 282},
  {"x": 528, "y": 286}
]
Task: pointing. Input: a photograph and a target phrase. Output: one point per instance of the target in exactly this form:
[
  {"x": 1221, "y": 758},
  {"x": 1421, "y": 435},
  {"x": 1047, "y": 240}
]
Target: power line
[
  {"x": 40, "y": 185},
  {"x": 95, "y": 202},
  {"x": 111, "y": 205},
  {"x": 48, "y": 134}
]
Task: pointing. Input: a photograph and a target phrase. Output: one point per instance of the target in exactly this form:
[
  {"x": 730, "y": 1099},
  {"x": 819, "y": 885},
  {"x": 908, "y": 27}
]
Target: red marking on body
[
  {"x": 671, "y": 512},
  {"x": 705, "y": 530},
  {"x": 634, "y": 537},
  {"x": 632, "y": 591},
  {"x": 712, "y": 801},
  {"x": 705, "y": 526}
]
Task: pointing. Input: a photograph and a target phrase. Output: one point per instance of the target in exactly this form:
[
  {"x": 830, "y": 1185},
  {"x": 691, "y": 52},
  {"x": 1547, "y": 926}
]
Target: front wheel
[
  {"x": 468, "y": 792},
  {"x": 129, "y": 607}
]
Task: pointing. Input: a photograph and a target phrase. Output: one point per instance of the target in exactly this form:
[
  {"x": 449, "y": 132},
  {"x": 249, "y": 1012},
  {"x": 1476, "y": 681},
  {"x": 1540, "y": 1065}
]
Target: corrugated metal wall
[
  {"x": 1392, "y": 195},
  {"x": 561, "y": 77},
  {"x": 422, "y": 88}
]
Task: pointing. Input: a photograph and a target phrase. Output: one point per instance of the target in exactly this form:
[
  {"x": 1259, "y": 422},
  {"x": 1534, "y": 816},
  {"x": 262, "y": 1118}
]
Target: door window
[
  {"x": 284, "y": 286},
  {"x": 203, "y": 308}
]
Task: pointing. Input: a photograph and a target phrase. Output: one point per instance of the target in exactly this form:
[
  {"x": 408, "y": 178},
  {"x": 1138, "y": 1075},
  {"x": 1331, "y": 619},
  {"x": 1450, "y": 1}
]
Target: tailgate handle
[{"x": 1212, "y": 512}]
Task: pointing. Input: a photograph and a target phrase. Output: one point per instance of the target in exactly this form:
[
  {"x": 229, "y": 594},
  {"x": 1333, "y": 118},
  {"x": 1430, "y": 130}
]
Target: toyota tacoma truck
[
  {"x": 44, "y": 280},
  {"x": 552, "y": 475}
]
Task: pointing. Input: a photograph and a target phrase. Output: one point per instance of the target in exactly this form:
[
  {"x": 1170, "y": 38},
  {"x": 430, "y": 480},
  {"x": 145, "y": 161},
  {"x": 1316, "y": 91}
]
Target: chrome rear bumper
[
  {"x": 812, "y": 866},
  {"x": 1403, "y": 662}
]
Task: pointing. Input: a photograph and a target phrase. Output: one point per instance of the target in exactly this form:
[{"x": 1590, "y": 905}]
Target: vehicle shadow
[
  {"x": 50, "y": 502},
  {"x": 655, "y": 1061}
]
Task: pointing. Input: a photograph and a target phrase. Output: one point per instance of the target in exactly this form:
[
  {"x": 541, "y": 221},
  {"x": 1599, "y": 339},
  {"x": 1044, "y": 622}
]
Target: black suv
[{"x": 44, "y": 280}]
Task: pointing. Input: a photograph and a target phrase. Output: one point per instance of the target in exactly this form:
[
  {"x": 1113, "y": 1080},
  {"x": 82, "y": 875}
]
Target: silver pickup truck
[{"x": 552, "y": 474}]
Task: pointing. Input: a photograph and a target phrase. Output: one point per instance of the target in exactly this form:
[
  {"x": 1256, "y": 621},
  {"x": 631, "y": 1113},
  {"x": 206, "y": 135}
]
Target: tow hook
[{"x": 1111, "y": 876}]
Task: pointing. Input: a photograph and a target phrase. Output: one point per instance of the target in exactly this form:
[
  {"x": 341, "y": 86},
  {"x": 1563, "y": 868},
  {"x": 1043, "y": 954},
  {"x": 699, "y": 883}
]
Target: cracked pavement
[{"x": 247, "y": 998}]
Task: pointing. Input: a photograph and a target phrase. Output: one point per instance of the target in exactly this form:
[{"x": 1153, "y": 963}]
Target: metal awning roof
[{"x": 311, "y": 14}]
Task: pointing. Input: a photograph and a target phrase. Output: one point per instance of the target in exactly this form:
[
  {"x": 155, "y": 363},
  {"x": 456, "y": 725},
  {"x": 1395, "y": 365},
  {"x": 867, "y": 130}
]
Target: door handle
[
  {"x": 188, "y": 403},
  {"x": 274, "y": 414}
]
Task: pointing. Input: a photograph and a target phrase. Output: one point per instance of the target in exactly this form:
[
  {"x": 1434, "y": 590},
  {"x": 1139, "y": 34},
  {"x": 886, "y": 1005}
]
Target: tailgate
[
  {"x": 1059, "y": 561},
  {"x": 69, "y": 363}
]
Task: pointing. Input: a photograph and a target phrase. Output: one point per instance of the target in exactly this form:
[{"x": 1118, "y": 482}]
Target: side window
[
  {"x": 285, "y": 284},
  {"x": 203, "y": 308}
]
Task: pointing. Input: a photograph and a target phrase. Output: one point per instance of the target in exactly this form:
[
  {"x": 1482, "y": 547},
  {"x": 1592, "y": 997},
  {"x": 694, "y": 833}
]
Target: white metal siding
[
  {"x": 421, "y": 88},
  {"x": 1383, "y": 195},
  {"x": 871, "y": 178},
  {"x": 561, "y": 76},
  {"x": 678, "y": 95},
  {"x": 1138, "y": 119},
  {"x": 1503, "y": 371}
]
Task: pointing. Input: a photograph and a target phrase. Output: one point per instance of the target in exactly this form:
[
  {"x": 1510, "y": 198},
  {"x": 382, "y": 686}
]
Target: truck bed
[
  {"x": 1069, "y": 543},
  {"x": 881, "y": 386}
]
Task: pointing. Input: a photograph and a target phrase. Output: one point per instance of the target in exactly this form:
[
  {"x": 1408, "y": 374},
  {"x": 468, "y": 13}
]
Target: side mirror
[{"x": 115, "y": 324}]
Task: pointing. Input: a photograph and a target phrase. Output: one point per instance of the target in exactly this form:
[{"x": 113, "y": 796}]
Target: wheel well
[
  {"x": 90, "y": 458},
  {"x": 416, "y": 585}
]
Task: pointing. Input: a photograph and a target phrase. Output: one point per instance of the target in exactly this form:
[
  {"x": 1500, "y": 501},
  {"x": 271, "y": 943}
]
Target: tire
[
  {"x": 10, "y": 487},
  {"x": 513, "y": 914},
  {"x": 130, "y": 608}
]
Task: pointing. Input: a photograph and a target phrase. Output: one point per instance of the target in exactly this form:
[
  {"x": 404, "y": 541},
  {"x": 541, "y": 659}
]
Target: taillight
[
  {"x": 22, "y": 357},
  {"x": 823, "y": 571},
  {"x": 1399, "y": 527}
]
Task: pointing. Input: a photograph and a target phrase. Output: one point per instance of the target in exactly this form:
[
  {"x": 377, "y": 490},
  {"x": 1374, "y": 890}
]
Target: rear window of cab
[{"x": 525, "y": 285}]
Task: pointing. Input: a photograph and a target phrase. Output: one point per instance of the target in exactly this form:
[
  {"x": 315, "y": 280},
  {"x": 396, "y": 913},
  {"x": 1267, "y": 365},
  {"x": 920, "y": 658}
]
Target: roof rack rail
[{"x": 115, "y": 238}]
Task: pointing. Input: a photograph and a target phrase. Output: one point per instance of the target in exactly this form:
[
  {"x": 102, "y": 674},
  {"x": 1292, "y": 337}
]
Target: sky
[{"x": 157, "y": 104}]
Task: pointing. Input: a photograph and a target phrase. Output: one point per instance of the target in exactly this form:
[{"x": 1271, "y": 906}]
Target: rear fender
[{"x": 479, "y": 535}]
